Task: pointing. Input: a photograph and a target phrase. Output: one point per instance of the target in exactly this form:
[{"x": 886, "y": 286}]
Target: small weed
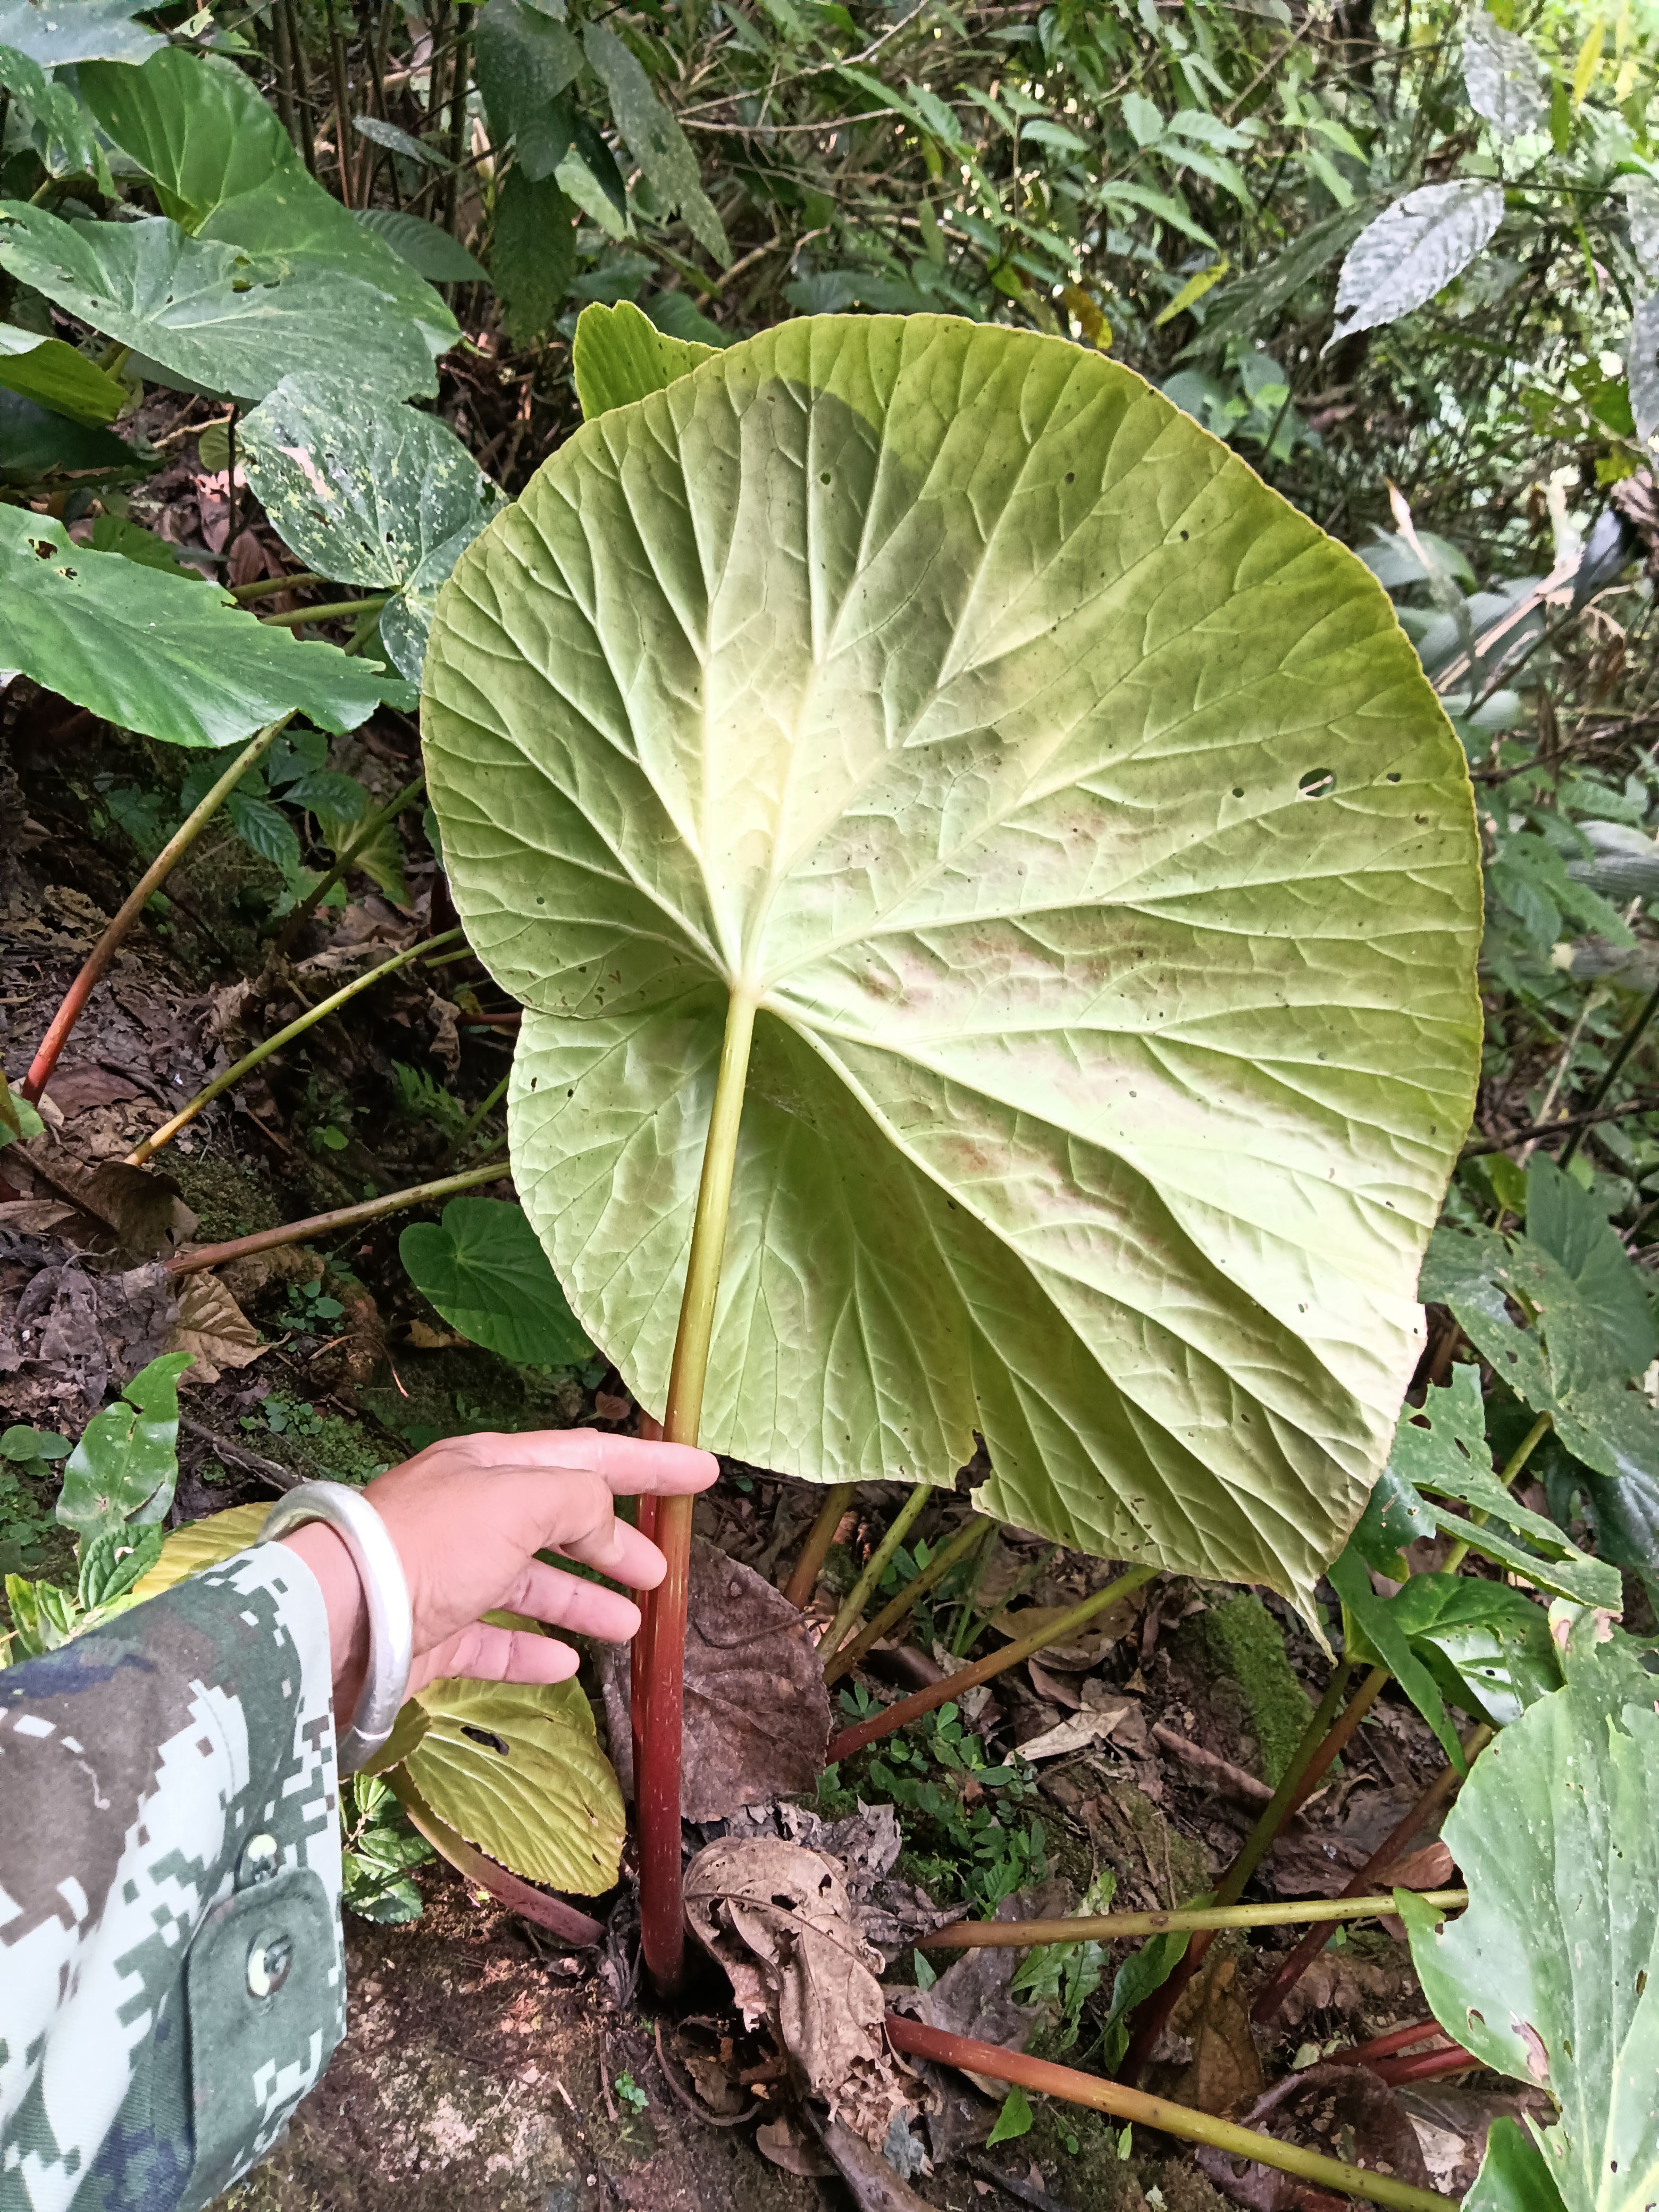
[
  {"x": 309, "y": 1309},
  {"x": 285, "y": 1417},
  {"x": 631, "y": 2093},
  {"x": 958, "y": 1845},
  {"x": 379, "y": 1849}
]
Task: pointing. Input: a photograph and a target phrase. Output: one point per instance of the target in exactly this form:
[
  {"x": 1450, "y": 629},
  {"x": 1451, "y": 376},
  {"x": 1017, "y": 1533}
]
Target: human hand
[{"x": 468, "y": 1515}]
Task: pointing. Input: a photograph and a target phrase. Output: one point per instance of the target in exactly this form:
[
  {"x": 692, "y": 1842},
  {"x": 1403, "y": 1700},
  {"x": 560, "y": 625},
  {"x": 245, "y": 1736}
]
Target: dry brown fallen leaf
[
  {"x": 779, "y": 1920},
  {"x": 212, "y": 1328},
  {"x": 756, "y": 1712},
  {"x": 1342, "y": 2111}
]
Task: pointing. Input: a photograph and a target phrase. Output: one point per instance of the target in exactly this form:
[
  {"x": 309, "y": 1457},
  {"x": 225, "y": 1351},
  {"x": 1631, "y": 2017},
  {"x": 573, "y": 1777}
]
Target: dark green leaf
[
  {"x": 1488, "y": 1646},
  {"x": 112, "y": 533},
  {"x": 114, "y": 1561},
  {"x": 654, "y": 137},
  {"x": 54, "y": 375},
  {"x": 429, "y": 252},
  {"x": 125, "y": 1465},
  {"x": 619, "y": 355},
  {"x": 532, "y": 255},
  {"x": 265, "y": 828},
  {"x": 381, "y": 497},
  {"x": 152, "y": 652},
  {"x": 487, "y": 1274},
  {"x": 1563, "y": 1218},
  {"x": 43, "y": 450},
  {"x": 1395, "y": 1516},
  {"x": 1513, "y": 2176},
  {"x": 66, "y": 128},
  {"x": 1367, "y": 1613},
  {"x": 1442, "y": 1452},
  {"x": 21, "y": 1443},
  {"x": 524, "y": 61},
  {"x": 400, "y": 141}
]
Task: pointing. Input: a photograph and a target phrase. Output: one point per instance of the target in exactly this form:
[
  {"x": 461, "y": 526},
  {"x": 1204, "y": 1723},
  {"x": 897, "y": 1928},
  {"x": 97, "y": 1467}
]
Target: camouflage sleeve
[{"x": 171, "y": 1975}]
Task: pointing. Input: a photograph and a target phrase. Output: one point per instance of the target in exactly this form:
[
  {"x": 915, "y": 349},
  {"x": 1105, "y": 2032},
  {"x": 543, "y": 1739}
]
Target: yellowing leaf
[
  {"x": 516, "y": 1769},
  {"x": 202, "y": 1544},
  {"x": 1589, "y": 60},
  {"x": 1193, "y": 289}
]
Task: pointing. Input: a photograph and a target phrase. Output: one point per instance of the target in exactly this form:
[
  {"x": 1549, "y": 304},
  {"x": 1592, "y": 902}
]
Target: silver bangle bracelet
[{"x": 390, "y": 1623}]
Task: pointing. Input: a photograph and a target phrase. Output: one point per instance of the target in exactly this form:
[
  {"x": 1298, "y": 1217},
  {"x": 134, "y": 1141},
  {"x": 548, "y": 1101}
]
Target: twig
[
  {"x": 984, "y": 1670},
  {"x": 857, "y": 1597},
  {"x": 916, "y": 2041},
  {"x": 1230, "y": 1777},
  {"x": 239, "y": 1457},
  {"x": 151, "y": 881},
  {"x": 261, "y": 1053},
  {"x": 814, "y": 1550},
  {"x": 1579, "y": 1121},
  {"x": 330, "y": 1224},
  {"x": 1109, "y": 1927}
]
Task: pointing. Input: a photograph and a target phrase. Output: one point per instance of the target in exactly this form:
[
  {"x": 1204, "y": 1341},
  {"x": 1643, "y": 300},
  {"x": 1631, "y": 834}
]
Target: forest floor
[{"x": 483, "y": 2059}]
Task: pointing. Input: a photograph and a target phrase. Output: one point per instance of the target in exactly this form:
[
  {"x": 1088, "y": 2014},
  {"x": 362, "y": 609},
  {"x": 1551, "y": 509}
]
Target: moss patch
[
  {"x": 227, "y": 1198},
  {"x": 1244, "y": 1643}
]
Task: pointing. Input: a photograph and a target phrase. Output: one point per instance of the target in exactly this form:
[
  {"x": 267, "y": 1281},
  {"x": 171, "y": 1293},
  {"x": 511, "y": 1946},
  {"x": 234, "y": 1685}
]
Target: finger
[
  {"x": 483, "y": 1654},
  {"x": 628, "y": 1465},
  {"x": 620, "y": 1552},
  {"x": 566, "y": 1602}
]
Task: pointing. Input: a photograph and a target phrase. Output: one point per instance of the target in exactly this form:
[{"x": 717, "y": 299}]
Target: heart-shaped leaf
[
  {"x": 126, "y": 1463},
  {"x": 516, "y": 1769},
  {"x": 86, "y": 30},
  {"x": 226, "y": 169},
  {"x": 208, "y": 314},
  {"x": 151, "y": 652},
  {"x": 484, "y": 1269},
  {"x": 1551, "y": 1975},
  {"x": 1102, "y": 872},
  {"x": 370, "y": 494}
]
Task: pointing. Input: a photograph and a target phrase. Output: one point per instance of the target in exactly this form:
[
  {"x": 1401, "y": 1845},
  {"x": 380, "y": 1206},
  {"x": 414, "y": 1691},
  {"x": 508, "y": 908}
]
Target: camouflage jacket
[{"x": 171, "y": 1975}]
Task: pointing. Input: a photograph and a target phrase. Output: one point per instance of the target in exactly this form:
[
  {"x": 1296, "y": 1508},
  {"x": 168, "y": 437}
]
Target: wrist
[{"x": 331, "y": 1564}]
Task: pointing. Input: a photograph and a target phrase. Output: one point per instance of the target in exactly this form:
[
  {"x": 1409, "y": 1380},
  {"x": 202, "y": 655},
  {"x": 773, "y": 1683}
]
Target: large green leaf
[
  {"x": 1587, "y": 1334},
  {"x": 367, "y": 494},
  {"x": 948, "y": 691},
  {"x": 619, "y": 356},
  {"x": 209, "y": 313},
  {"x": 654, "y": 138},
  {"x": 1440, "y": 1452},
  {"x": 55, "y": 375},
  {"x": 55, "y": 33},
  {"x": 516, "y": 1769},
  {"x": 66, "y": 133},
  {"x": 153, "y": 653},
  {"x": 1488, "y": 1646},
  {"x": 1551, "y": 1975},
  {"x": 532, "y": 256},
  {"x": 226, "y": 168},
  {"x": 40, "y": 450},
  {"x": 483, "y": 1270},
  {"x": 126, "y": 1463}
]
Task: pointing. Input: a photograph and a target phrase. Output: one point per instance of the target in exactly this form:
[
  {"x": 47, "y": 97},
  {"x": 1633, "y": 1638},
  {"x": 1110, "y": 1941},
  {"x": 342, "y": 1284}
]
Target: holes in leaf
[
  {"x": 1393, "y": 776},
  {"x": 1238, "y": 791},
  {"x": 487, "y": 1737},
  {"x": 825, "y": 478},
  {"x": 1316, "y": 783}
]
